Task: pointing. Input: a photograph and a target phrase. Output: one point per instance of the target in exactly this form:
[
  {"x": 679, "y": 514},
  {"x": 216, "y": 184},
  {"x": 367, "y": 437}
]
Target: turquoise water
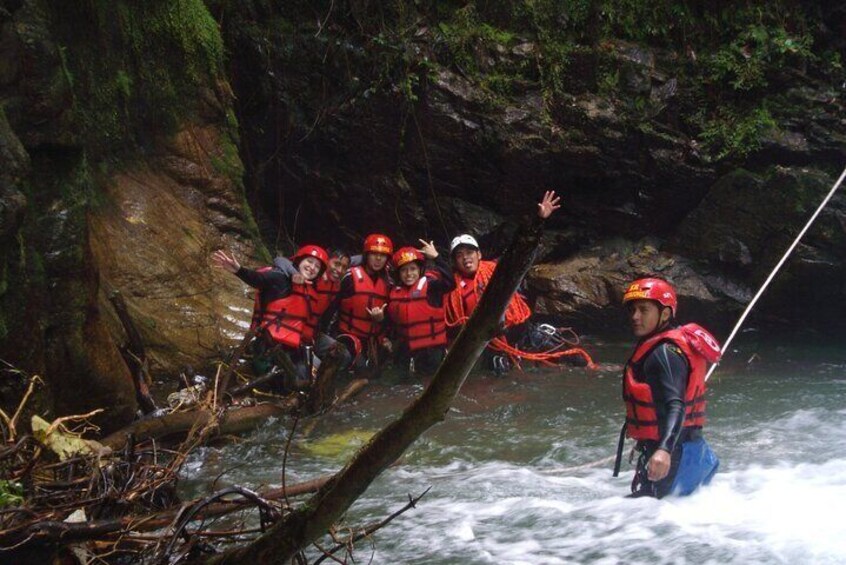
[{"x": 508, "y": 486}]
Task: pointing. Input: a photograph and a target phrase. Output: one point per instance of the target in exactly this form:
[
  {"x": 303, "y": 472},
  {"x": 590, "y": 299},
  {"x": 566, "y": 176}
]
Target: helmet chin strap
[{"x": 660, "y": 326}]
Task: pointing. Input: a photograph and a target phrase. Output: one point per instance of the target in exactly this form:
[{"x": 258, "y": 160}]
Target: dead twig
[{"x": 369, "y": 530}]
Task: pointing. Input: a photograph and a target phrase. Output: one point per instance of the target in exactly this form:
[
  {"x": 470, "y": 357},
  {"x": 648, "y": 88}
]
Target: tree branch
[{"x": 299, "y": 528}]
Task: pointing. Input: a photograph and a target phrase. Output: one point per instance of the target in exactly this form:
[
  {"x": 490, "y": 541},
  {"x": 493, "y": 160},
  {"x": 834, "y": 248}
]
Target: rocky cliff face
[
  {"x": 119, "y": 172},
  {"x": 688, "y": 144}
]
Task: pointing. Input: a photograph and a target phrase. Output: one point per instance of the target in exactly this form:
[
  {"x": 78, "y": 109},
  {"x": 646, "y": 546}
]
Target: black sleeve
[
  {"x": 441, "y": 283},
  {"x": 345, "y": 291},
  {"x": 667, "y": 373},
  {"x": 347, "y": 288},
  {"x": 272, "y": 279},
  {"x": 388, "y": 326}
]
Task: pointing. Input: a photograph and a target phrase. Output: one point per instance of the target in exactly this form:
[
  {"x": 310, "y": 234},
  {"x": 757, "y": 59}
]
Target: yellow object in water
[
  {"x": 338, "y": 445},
  {"x": 61, "y": 442}
]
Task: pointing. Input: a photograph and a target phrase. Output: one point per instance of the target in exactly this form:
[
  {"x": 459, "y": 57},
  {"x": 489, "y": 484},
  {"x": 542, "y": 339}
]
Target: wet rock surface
[
  {"x": 153, "y": 242},
  {"x": 118, "y": 175},
  {"x": 84, "y": 213},
  {"x": 455, "y": 155}
]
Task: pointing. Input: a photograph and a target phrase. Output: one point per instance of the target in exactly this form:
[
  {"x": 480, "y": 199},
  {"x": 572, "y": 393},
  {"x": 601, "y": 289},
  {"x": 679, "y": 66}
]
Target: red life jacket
[
  {"x": 469, "y": 290},
  {"x": 418, "y": 323},
  {"x": 352, "y": 311},
  {"x": 282, "y": 319},
  {"x": 320, "y": 296},
  {"x": 699, "y": 348}
]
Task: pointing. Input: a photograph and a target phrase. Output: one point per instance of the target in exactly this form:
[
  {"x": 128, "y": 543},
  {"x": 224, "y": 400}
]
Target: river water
[{"x": 508, "y": 483}]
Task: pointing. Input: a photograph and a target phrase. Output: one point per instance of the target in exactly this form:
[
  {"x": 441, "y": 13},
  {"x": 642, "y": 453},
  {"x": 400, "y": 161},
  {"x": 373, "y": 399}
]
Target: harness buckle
[
  {"x": 548, "y": 329},
  {"x": 501, "y": 364}
]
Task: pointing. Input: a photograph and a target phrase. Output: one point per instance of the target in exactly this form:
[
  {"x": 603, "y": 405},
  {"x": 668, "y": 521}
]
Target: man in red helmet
[
  {"x": 281, "y": 310},
  {"x": 664, "y": 394},
  {"x": 361, "y": 301}
]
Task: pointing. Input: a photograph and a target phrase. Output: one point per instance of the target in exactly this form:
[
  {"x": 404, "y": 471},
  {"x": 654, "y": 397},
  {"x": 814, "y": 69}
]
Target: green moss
[
  {"x": 229, "y": 162},
  {"x": 123, "y": 83},
  {"x": 11, "y": 493},
  {"x": 63, "y": 60},
  {"x": 729, "y": 54},
  {"x": 756, "y": 50},
  {"x": 727, "y": 57},
  {"x": 467, "y": 37},
  {"x": 135, "y": 68},
  {"x": 231, "y": 122},
  {"x": 730, "y": 132}
]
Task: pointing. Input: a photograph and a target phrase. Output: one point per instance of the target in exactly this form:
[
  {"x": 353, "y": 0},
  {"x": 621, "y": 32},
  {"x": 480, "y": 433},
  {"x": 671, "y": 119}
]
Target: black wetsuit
[{"x": 665, "y": 369}]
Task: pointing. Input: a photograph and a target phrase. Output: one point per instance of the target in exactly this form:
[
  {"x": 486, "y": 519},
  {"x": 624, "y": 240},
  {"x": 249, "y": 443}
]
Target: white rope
[{"x": 775, "y": 270}]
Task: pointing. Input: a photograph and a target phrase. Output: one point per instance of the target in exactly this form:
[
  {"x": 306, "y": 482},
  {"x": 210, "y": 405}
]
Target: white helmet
[{"x": 463, "y": 239}]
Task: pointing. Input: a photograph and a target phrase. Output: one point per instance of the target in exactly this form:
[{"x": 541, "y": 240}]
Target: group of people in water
[
  {"x": 406, "y": 303},
  {"x": 414, "y": 317}
]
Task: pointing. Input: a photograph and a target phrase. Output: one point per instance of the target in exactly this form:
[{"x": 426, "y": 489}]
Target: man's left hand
[
  {"x": 658, "y": 466},
  {"x": 549, "y": 204},
  {"x": 377, "y": 313},
  {"x": 428, "y": 249}
]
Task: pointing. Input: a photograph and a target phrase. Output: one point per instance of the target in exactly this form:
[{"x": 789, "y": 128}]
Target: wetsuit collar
[{"x": 668, "y": 325}]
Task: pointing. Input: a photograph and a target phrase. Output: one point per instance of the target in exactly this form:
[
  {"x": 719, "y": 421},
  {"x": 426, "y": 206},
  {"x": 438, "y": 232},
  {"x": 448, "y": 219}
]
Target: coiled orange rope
[{"x": 516, "y": 313}]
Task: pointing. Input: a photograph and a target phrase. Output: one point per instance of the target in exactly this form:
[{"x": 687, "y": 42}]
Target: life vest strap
[{"x": 618, "y": 460}]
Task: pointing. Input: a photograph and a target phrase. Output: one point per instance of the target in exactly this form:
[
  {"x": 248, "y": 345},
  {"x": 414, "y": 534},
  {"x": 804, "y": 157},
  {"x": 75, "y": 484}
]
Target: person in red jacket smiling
[
  {"x": 281, "y": 311},
  {"x": 416, "y": 308}
]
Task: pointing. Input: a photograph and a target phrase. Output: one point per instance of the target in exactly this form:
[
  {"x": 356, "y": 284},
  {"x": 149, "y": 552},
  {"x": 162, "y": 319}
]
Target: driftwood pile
[{"x": 117, "y": 501}]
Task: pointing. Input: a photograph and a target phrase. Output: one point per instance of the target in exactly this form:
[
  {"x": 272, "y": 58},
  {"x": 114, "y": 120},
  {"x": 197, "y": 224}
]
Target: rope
[
  {"x": 776, "y": 270},
  {"x": 516, "y": 313},
  {"x": 543, "y": 357}
]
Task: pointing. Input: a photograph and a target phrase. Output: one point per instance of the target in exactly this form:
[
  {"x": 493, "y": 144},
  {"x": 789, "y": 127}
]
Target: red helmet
[
  {"x": 378, "y": 243},
  {"x": 312, "y": 251},
  {"x": 658, "y": 290},
  {"x": 407, "y": 255}
]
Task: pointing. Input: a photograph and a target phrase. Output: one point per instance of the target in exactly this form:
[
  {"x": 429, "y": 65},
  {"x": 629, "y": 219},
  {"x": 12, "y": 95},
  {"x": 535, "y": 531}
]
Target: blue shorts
[{"x": 697, "y": 466}]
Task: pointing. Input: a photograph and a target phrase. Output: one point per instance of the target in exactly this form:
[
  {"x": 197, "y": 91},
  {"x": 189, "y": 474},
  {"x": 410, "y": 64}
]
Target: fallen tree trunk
[
  {"x": 350, "y": 391},
  {"x": 245, "y": 388},
  {"x": 233, "y": 421},
  {"x": 306, "y": 524}
]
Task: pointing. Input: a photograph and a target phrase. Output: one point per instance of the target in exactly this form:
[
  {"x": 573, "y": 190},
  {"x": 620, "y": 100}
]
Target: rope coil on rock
[{"x": 516, "y": 313}]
